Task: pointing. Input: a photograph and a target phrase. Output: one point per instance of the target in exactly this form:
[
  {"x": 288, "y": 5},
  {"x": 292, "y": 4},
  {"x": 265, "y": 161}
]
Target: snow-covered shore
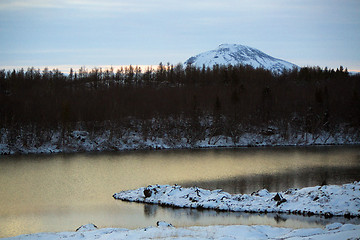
[
  {"x": 332, "y": 231},
  {"x": 328, "y": 200},
  {"x": 83, "y": 141}
]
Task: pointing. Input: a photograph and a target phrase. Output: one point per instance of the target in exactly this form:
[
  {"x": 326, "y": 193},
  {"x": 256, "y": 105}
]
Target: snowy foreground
[
  {"x": 328, "y": 200},
  {"x": 332, "y": 231},
  {"x": 323, "y": 200}
]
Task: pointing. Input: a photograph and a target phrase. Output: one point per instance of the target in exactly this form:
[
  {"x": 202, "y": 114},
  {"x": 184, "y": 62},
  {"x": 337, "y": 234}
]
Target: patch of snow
[
  {"x": 329, "y": 200},
  {"x": 333, "y": 226},
  {"x": 347, "y": 231}
]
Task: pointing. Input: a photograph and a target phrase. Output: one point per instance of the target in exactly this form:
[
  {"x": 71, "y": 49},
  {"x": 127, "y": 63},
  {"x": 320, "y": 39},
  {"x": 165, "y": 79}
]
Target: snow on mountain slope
[{"x": 235, "y": 54}]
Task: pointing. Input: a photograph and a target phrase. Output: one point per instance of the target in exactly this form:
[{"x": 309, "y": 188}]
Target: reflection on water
[
  {"x": 282, "y": 181},
  {"x": 183, "y": 217},
  {"x": 62, "y": 192}
]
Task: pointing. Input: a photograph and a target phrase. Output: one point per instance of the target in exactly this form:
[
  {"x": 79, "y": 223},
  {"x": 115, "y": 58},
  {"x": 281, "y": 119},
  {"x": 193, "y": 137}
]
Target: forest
[{"x": 176, "y": 102}]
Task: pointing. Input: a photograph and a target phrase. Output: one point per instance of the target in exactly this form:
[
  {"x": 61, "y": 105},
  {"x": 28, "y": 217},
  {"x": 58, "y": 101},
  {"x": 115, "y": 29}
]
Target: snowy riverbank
[
  {"x": 83, "y": 141},
  {"x": 332, "y": 231},
  {"x": 328, "y": 200}
]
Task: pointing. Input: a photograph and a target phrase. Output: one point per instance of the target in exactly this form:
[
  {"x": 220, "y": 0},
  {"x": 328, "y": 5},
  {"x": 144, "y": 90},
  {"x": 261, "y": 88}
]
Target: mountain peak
[
  {"x": 236, "y": 54},
  {"x": 230, "y": 46}
]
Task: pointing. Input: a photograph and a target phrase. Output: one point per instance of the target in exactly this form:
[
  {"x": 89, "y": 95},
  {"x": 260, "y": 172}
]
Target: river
[{"x": 52, "y": 193}]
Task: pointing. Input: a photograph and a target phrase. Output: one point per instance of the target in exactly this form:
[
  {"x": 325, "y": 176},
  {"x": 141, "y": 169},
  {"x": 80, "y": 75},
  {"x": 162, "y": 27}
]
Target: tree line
[{"x": 223, "y": 100}]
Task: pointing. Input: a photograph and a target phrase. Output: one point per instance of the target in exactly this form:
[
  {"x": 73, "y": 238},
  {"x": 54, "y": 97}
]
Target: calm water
[{"x": 55, "y": 193}]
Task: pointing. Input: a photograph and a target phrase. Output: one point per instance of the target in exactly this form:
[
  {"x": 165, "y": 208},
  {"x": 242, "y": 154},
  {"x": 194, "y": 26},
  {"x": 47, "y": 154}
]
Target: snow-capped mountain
[{"x": 235, "y": 54}]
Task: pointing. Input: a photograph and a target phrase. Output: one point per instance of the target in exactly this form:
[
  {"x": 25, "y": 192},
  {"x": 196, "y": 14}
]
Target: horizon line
[{"x": 66, "y": 68}]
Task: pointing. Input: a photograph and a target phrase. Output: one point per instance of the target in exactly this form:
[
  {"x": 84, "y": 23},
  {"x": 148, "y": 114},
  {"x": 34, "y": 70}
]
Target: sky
[{"x": 93, "y": 33}]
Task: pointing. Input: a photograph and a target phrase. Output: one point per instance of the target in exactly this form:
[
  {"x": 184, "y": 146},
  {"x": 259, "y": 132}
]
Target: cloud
[
  {"x": 23, "y": 4},
  {"x": 131, "y": 6},
  {"x": 6, "y": 5}
]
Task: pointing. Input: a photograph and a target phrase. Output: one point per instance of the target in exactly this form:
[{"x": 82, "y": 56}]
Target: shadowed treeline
[{"x": 178, "y": 101}]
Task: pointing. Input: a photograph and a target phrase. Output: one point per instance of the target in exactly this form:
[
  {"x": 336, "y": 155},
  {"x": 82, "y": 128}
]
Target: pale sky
[{"x": 146, "y": 32}]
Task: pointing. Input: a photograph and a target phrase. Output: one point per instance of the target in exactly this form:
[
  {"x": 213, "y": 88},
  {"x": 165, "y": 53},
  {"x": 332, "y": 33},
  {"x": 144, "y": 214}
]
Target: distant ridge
[{"x": 235, "y": 54}]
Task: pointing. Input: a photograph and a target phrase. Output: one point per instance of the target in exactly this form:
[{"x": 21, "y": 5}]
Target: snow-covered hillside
[{"x": 235, "y": 54}]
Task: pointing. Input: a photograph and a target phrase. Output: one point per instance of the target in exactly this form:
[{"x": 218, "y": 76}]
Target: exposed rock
[
  {"x": 87, "y": 227},
  {"x": 163, "y": 224},
  {"x": 328, "y": 215},
  {"x": 147, "y": 192},
  {"x": 279, "y": 199},
  {"x": 347, "y": 215}
]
